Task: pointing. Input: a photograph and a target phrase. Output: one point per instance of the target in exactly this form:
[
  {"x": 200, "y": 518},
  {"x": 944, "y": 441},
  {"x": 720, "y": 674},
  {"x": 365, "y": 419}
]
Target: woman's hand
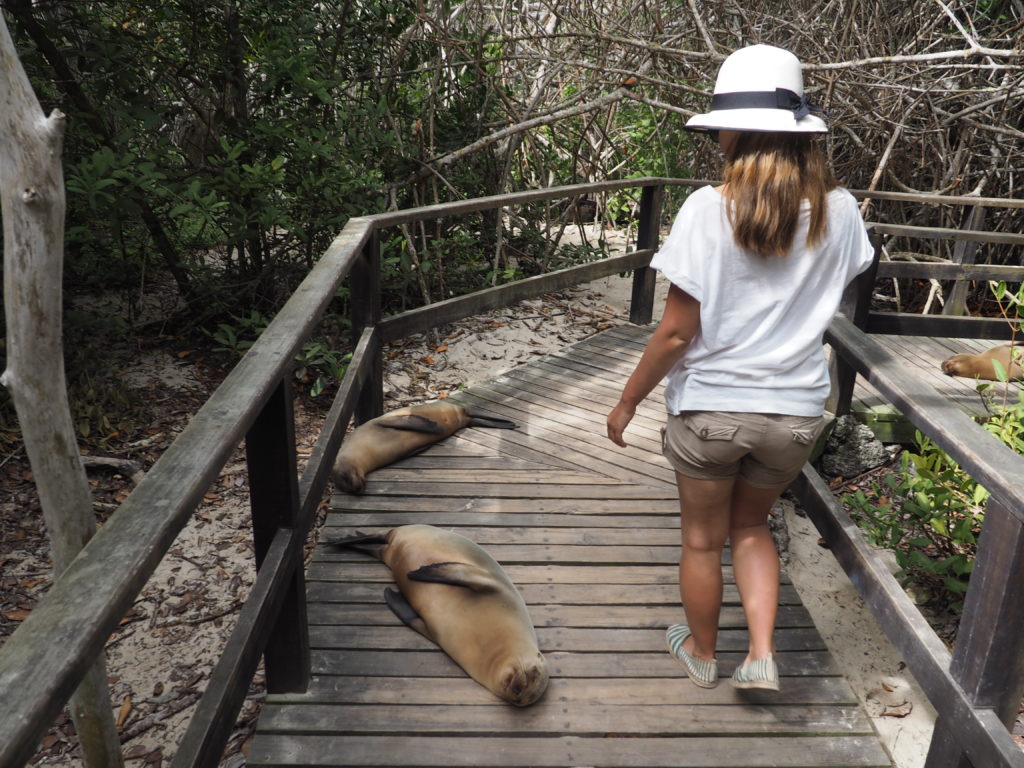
[{"x": 617, "y": 422}]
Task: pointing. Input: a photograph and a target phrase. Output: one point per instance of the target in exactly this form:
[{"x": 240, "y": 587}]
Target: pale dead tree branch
[
  {"x": 999, "y": 53},
  {"x": 32, "y": 200}
]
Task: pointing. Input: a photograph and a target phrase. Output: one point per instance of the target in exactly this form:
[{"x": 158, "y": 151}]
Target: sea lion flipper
[
  {"x": 477, "y": 419},
  {"x": 400, "y": 607},
  {"x": 370, "y": 543},
  {"x": 411, "y": 422},
  {"x": 471, "y": 577}
]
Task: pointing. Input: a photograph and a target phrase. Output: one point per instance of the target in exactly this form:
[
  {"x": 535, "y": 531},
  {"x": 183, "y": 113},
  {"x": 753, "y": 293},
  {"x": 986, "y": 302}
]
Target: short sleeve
[{"x": 680, "y": 257}]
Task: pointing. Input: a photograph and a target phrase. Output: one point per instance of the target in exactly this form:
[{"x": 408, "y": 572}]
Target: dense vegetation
[{"x": 214, "y": 149}]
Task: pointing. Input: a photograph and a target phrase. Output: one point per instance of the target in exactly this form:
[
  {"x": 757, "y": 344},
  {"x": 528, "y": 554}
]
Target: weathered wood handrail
[{"x": 41, "y": 663}]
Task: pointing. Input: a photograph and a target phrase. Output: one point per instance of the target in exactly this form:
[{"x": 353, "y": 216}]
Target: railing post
[
  {"x": 641, "y": 306},
  {"x": 964, "y": 252},
  {"x": 364, "y": 282},
  {"x": 988, "y": 659},
  {"x": 274, "y": 499},
  {"x": 855, "y": 305}
]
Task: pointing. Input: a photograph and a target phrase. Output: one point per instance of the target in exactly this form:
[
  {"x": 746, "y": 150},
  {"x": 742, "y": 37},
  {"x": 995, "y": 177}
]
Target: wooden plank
[
  {"x": 434, "y": 663},
  {"x": 369, "y": 570},
  {"x": 345, "y": 503},
  {"x": 522, "y": 490},
  {"x": 543, "y": 553},
  {"x": 943, "y": 233},
  {"x": 583, "y": 718},
  {"x": 565, "y": 534},
  {"x": 624, "y": 463},
  {"x": 398, "y": 637},
  {"x": 446, "y": 751},
  {"x": 455, "y": 517},
  {"x": 498, "y": 476},
  {"x": 907, "y": 324},
  {"x": 591, "y": 616},
  {"x": 321, "y": 588},
  {"x": 440, "y": 691}
]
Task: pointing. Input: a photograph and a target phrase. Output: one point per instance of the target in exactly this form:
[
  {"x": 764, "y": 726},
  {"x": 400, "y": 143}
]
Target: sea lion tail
[
  {"x": 477, "y": 419},
  {"x": 371, "y": 543}
]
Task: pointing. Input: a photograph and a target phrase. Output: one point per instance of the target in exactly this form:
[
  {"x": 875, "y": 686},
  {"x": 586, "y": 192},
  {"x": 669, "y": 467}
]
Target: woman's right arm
[{"x": 679, "y": 324}]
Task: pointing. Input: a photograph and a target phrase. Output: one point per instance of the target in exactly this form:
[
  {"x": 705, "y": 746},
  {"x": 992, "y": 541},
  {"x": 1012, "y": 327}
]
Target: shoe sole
[{"x": 763, "y": 685}]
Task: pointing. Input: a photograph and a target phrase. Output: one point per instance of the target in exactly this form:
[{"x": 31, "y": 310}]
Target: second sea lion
[
  {"x": 455, "y": 594},
  {"x": 398, "y": 434},
  {"x": 981, "y": 365}
]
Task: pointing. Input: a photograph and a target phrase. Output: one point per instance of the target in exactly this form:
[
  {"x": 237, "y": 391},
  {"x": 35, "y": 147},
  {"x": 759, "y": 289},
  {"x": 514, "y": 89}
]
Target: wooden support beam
[
  {"x": 641, "y": 305},
  {"x": 364, "y": 288},
  {"x": 274, "y": 498},
  {"x": 988, "y": 659}
]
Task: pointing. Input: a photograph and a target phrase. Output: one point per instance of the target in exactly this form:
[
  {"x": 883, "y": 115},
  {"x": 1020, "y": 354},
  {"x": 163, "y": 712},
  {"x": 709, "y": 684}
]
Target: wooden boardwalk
[
  {"x": 925, "y": 354},
  {"x": 589, "y": 533}
]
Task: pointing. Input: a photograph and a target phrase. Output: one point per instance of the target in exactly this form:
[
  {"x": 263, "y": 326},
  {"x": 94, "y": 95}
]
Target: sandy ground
[{"x": 878, "y": 676}]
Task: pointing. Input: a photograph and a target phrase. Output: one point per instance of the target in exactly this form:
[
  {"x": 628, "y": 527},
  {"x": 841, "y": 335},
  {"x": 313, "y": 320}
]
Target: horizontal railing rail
[{"x": 42, "y": 662}]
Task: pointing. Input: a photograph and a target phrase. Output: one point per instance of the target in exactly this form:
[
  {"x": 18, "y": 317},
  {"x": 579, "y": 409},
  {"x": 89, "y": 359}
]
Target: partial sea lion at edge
[
  {"x": 400, "y": 433},
  {"x": 455, "y": 594},
  {"x": 981, "y": 366}
]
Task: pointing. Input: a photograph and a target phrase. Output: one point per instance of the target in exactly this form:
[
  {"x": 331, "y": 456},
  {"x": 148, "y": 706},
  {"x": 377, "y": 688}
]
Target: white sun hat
[{"x": 760, "y": 88}]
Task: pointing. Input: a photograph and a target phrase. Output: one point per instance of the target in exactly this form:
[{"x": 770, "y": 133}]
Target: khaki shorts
[{"x": 765, "y": 449}]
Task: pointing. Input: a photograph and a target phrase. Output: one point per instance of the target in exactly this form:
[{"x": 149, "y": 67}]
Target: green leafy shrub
[{"x": 930, "y": 514}]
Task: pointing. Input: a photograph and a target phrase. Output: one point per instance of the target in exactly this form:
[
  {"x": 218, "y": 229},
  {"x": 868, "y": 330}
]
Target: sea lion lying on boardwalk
[
  {"x": 981, "y": 365},
  {"x": 398, "y": 434},
  {"x": 455, "y": 594}
]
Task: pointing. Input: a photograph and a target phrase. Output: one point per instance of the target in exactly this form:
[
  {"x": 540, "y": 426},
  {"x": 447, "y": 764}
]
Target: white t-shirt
[{"x": 759, "y": 348}]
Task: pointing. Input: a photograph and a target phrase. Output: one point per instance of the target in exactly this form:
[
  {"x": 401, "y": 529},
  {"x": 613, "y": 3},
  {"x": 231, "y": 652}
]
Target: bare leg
[
  {"x": 755, "y": 563},
  {"x": 704, "y": 523}
]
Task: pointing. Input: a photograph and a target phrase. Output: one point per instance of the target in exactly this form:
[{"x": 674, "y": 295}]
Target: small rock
[{"x": 852, "y": 449}]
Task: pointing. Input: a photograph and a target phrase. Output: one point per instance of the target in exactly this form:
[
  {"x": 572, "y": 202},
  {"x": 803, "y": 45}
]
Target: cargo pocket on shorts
[
  {"x": 806, "y": 431},
  {"x": 709, "y": 425}
]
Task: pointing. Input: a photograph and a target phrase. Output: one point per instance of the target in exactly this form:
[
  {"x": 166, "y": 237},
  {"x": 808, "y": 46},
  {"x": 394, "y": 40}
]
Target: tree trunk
[{"x": 32, "y": 200}]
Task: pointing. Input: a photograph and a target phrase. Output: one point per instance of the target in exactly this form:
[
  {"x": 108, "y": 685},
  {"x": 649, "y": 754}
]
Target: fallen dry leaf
[
  {"x": 898, "y": 710},
  {"x": 124, "y": 712},
  {"x": 16, "y": 614}
]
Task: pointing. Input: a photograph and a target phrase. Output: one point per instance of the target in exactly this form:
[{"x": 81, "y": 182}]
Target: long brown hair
[{"x": 767, "y": 176}]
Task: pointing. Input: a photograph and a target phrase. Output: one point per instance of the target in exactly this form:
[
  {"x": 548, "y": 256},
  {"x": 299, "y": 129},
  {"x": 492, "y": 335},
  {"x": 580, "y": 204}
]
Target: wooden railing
[
  {"x": 43, "y": 661},
  {"x": 977, "y": 690}
]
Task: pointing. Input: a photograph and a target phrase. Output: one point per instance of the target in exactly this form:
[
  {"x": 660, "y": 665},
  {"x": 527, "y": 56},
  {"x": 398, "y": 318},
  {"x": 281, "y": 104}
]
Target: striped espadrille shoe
[
  {"x": 760, "y": 673},
  {"x": 703, "y": 673}
]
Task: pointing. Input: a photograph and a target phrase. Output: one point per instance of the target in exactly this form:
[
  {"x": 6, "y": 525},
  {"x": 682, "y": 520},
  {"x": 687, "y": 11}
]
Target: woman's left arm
[{"x": 679, "y": 323}]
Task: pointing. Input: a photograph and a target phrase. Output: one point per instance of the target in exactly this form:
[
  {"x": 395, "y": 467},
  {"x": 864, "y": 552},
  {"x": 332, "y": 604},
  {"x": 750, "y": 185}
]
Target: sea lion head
[
  {"x": 958, "y": 365},
  {"x": 524, "y": 680},
  {"x": 347, "y": 477}
]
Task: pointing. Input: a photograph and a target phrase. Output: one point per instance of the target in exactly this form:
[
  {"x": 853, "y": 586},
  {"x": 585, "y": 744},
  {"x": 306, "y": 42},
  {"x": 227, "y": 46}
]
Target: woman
[{"x": 757, "y": 267}]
